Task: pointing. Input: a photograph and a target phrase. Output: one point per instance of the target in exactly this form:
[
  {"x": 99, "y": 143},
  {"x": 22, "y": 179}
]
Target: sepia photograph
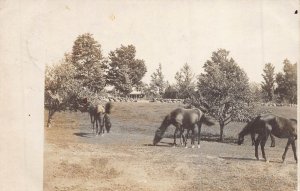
[{"x": 159, "y": 95}]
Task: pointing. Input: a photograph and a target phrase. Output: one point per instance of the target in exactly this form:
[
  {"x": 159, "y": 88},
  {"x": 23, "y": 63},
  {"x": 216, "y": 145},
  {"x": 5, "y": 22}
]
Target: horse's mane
[{"x": 248, "y": 128}]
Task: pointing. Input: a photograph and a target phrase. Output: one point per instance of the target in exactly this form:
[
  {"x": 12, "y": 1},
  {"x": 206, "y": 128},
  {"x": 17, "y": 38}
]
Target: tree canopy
[
  {"x": 123, "y": 65},
  {"x": 223, "y": 89},
  {"x": 185, "y": 81},
  {"x": 269, "y": 81},
  {"x": 158, "y": 83},
  {"x": 88, "y": 60},
  {"x": 287, "y": 83}
]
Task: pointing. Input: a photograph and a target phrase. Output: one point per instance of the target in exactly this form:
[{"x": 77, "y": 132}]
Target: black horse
[
  {"x": 265, "y": 125},
  {"x": 183, "y": 119}
]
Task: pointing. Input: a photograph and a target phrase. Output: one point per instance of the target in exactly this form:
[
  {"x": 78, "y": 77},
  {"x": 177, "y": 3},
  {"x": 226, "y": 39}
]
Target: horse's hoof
[
  {"x": 193, "y": 146},
  {"x": 267, "y": 161},
  {"x": 186, "y": 147},
  {"x": 198, "y": 146},
  {"x": 284, "y": 162}
]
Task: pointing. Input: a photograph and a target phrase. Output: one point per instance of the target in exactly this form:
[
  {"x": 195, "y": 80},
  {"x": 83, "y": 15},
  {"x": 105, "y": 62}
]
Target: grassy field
[{"x": 75, "y": 159}]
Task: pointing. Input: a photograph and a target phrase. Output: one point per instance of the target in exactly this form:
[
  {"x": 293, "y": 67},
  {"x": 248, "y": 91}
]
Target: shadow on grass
[
  {"x": 160, "y": 144},
  {"x": 238, "y": 158},
  {"x": 249, "y": 159},
  {"x": 86, "y": 135},
  {"x": 209, "y": 137}
]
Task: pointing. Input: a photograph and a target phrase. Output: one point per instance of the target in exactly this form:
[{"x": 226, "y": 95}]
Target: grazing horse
[
  {"x": 265, "y": 125},
  {"x": 182, "y": 119},
  {"x": 251, "y": 128},
  {"x": 96, "y": 113}
]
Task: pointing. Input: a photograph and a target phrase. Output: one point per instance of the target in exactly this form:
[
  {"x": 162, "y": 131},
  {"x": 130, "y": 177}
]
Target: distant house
[{"x": 136, "y": 94}]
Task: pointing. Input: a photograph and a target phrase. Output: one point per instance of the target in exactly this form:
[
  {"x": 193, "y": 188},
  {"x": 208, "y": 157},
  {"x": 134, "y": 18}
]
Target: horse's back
[{"x": 182, "y": 116}]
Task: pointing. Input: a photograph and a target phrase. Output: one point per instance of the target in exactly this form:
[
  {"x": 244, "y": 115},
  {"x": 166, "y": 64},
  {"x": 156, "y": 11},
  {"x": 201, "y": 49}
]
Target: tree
[
  {"x": 122, "y": 61},
  {"x": 88, "y": 61},
  {"x": 256, "y": 92},
  {"x": 171, "y": 92},
  {"x": 269, "y": 81},
  {"x": 61, "y": 88},
  {"x": 158, "y": 83},
  {"x": 123, "y": 82},
  {"x": 287, "y": 82},
  {"x": 185, "y": 81},
  {"x": 223, "y": 90}
]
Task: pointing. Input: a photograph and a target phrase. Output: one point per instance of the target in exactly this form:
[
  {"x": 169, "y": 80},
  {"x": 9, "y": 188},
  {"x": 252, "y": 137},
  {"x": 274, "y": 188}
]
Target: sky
[{"x": 174, "y": 32}]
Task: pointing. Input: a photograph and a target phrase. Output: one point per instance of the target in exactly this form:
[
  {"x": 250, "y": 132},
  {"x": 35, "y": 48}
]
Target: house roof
[{"x": 134, "y": 92}]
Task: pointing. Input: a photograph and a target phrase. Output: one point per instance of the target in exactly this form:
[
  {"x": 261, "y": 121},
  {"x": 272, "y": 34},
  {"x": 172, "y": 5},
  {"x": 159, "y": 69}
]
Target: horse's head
[
  {"x": 240, "y": 139},
  {"x": 157, "y": 137}
]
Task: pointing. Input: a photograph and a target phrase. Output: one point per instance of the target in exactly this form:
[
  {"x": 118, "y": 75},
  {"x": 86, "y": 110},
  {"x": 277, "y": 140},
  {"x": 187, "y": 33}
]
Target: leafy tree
[
  {"x": 269, "y": 81},
  {"x": 256, "y": 92},
  {"x": 171, "y": 92},
  {"x": 223, "y": 90},
  {"x": 123, "y": 82},
  {"x": 185, "y": 81},
  {"x": 88, "y": 61},
  {"x": 61, "y": 88},
  {"x": 122, "y": 61},
  {"x": 287, "y": 82},
  {"x": 158, "y": 83}
]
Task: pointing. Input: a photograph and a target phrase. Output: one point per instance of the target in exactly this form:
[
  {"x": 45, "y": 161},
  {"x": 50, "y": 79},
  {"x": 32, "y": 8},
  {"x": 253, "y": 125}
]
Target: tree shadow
[
  {"x": 216, "y": 138},
  {"x": 86, "y": 135}
]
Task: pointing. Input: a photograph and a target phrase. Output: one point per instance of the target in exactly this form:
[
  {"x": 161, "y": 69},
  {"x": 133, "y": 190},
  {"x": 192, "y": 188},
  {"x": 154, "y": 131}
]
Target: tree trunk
[
  {"x": 221, "y": 131},
  {"x": 51, "y": 113}
]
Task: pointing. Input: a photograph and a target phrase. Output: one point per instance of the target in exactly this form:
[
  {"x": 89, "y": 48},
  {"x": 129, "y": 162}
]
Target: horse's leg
[
  {"x": 286, "y": 148},
  {"x": 257, "y": 142},
  {"x": 96, "y": 120},
  {"x": 101, "y": 124},
  {"x": 294, "y": 150},
  {"x": 262, "y": 146},
  {"x": 175, "y": 133},
  {"x": 193, "y": 137},
  {"x": 92, "y": 116},
  {"x": 272, "y": 140},
  {"x": 181, "y": 136},
  {"x": 186, "y": 137},
  {"x": 253, "y": 138},
  {"x": 199, "y": 133}
]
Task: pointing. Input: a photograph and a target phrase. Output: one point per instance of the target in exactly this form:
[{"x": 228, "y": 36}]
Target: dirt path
[{"x": 123, "y": 160}]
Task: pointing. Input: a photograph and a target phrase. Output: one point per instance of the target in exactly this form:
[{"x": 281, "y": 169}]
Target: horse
[
  {"x": 271, "y": 124},
  {"x": 253, "y": 134},
  {"x": 96, "y": 112},
  {"x": 182, "y": 119}
]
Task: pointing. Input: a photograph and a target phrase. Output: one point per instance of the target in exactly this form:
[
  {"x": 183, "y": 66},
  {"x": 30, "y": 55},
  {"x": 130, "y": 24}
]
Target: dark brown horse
[
  {"x": 99, "y": 115},
  {"x": 182, "y": 119},
  {"x": 265, "y": 125}
]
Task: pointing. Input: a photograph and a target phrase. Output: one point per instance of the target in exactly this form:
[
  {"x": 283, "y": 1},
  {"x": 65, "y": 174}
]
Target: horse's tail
[
  {"x": 206, "y": 121},
  {"x": 161, "y": 130},
  {"x": 108, "y": 107}
]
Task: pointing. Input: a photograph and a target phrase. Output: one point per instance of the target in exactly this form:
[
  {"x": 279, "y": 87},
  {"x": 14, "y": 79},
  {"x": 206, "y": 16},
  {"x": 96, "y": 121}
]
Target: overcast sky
[{"x": 175, "y": 32}]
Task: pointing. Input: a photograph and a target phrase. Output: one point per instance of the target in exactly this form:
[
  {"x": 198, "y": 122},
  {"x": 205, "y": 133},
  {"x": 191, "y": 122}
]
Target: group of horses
[
  {"x": 99, "y": 115},
  {"x": 188, "y": 119},
  {"x": 263, "y": 125}
]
